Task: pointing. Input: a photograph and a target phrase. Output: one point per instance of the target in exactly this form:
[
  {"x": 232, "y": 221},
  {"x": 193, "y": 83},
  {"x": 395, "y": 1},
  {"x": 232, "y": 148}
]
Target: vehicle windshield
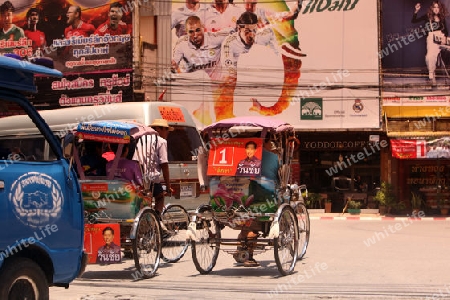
[
  {"x": 182, "y": 143},
  {"x": 19, "y": 137}
]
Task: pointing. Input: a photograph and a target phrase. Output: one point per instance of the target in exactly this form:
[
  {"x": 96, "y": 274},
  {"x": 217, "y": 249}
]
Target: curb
[{"x": 379, "y": 218}]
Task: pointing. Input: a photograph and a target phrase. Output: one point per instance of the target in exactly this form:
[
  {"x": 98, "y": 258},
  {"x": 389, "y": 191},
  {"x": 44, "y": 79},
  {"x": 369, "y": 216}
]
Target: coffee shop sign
[{"x": 335, "y": 144}]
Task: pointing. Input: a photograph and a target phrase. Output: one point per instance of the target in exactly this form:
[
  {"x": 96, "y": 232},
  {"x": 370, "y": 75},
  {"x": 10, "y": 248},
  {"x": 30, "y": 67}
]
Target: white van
[{"x": 182, "y": 142}]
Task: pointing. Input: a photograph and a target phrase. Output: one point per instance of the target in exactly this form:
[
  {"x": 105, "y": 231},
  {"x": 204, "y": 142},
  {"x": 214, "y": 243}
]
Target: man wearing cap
[{"x": 159, "y": 162}]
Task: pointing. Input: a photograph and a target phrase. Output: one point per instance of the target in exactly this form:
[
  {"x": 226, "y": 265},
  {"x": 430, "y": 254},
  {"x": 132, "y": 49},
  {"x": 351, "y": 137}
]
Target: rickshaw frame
[
  {"x": 151, "y": 236},
  {"x": 286, "y": 230}
]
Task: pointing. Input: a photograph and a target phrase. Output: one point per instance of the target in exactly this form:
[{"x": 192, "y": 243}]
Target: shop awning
[
  {"x": 417, "y": 128},
  {"x": 418, "y": 134}
]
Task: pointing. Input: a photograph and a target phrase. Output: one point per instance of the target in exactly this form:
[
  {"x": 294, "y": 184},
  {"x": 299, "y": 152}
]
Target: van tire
[{"x": 33, "y": 283}]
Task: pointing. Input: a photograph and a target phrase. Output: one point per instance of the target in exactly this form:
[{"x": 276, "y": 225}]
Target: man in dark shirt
[{"x": 110, "y": 252}]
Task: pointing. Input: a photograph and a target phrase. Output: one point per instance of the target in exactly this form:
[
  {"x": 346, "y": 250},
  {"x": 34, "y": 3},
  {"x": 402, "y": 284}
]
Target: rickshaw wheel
[
  {"x": 147, "y": 243},
  {"x": 206, "y": 246},
  {"x": 303, "y": 228},
  {"x": 175, "y": 220},
  {"x": 286, "y": 244}
]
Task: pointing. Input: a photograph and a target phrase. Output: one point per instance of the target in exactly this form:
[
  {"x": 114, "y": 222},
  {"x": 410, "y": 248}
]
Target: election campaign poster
[
  {"x": 235, "y": 157},
  {"x": 102, "y": 243}
]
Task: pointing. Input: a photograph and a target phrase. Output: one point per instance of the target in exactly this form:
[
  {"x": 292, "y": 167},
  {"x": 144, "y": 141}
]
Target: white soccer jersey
[
  {"x": 233, "y": 47},
  {"x": 216, "y": 21},
  {"x": 180, "y": 15},
  {"x": 261, "y": 14},
  {"x": 204, "y": 58}
]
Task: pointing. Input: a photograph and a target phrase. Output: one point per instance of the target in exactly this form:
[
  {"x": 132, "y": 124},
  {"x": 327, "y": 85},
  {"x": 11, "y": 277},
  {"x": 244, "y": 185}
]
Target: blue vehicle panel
[{"x": 41, "y": 209}]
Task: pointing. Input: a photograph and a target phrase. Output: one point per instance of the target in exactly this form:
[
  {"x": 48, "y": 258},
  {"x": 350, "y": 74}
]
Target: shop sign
[
  {"x": 421, "y": 149},
  {"x": 334, "y": 144}
]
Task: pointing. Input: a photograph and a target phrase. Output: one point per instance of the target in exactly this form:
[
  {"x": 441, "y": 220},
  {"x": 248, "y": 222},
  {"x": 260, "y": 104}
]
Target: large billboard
[
  {"x": 89, "y": 41},
  {"x": 415, "y": 53},
  {"x": 315, "y": 66}
]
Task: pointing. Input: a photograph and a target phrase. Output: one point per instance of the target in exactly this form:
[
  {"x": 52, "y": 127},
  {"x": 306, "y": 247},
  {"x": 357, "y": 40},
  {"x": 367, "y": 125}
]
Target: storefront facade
[
  {"x": 337, "y": 163},
  {"x": 420, "y": 153}
]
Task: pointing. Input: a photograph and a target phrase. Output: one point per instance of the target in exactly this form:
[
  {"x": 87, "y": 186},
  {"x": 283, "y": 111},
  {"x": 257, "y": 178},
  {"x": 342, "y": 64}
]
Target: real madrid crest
[
  {"x": 358, "y": 106},
  {"x": 212, "y": 52},
  {"x": 228, "y": 62},
  {"x": 37, "y": 199}
]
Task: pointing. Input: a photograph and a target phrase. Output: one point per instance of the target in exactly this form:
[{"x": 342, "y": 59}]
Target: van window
[
  {"x": 21, "y": 144},
  {"x": 182, "y": 143}
]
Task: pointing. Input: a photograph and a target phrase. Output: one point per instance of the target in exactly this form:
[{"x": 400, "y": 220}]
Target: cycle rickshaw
[
  {"x": 243, "y": 198},
  {"x": 145, "y": 235}
]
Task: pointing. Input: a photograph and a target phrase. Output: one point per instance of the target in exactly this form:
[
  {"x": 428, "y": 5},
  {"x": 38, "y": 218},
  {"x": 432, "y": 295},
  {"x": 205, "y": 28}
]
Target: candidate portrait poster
[
  {"x": 90, "y": 42},
  {"x": 102, "y": 243},
  {"x": 315, "y": 66},
  {"x": 235, "y": 157}
]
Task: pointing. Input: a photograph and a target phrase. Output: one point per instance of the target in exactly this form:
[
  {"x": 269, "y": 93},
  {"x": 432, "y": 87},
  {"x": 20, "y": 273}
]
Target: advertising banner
[
  {"x": 423, "y": 149},
  {"x": 102, "y": 243},
  {"x": 311, "y": 63},
  {"x": 256, "y": 195},
  {"x": 84, "y": 39},
  {"x": 235, "y": 157},
  {"x": 84, "y": 89},
  {"x": 415, "y": 53}
]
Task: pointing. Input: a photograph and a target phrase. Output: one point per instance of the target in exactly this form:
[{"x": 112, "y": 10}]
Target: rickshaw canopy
[
  {"x": 119, "y": 132},
  {"x": 267, "y": 123}
]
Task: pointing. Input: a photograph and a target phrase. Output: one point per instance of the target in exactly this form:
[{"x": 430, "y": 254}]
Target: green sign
[{"x": 311, "y": 109}]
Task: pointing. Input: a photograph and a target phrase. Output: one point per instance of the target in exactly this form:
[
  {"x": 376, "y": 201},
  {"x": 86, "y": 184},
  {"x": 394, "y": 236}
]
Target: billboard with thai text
[
  {"x": 89, "y": 41},
  {"x": 311, "y": 63}
]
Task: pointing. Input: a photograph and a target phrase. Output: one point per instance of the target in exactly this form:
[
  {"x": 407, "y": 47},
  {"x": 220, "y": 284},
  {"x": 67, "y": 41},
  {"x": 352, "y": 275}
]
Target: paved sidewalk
[{"x": 190, "y": 204}]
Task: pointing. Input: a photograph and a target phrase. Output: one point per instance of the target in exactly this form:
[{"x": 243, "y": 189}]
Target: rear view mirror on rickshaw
[{"x": 67, "y": 145}]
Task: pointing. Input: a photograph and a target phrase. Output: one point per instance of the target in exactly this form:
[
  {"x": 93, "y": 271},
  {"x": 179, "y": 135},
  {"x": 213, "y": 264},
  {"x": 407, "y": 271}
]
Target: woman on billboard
[{"x": 437, "y": 34}]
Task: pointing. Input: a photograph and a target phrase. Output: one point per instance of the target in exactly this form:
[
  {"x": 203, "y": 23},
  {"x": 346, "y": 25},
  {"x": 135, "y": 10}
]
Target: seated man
[
  {"x": 269, "y": 177},
  {"x": 92, "y": 161},
  {"x": 126, "y": 168}
]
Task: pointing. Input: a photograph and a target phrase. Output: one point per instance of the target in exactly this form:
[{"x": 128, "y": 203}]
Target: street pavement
[{"x": 392, "y": 259}]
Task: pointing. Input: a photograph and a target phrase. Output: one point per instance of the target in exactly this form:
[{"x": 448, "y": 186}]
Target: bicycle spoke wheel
[
  {"x": 175, "y": 221},
  {"x": 303, "y": 229},
  {"x": 206, "y": 246},
  {"x": 286, "y": 245},
  {"x": 147, "y": 244}
]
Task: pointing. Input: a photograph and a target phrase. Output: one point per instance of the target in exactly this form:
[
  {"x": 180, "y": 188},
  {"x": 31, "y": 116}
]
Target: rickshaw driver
[
  {"x": 159, "y": 163},
  {"x": 270, "y": 164}
]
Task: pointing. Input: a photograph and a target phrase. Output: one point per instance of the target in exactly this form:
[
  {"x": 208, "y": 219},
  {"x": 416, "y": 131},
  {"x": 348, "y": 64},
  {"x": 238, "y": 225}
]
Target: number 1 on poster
[{"x": 223, "y": 161}]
